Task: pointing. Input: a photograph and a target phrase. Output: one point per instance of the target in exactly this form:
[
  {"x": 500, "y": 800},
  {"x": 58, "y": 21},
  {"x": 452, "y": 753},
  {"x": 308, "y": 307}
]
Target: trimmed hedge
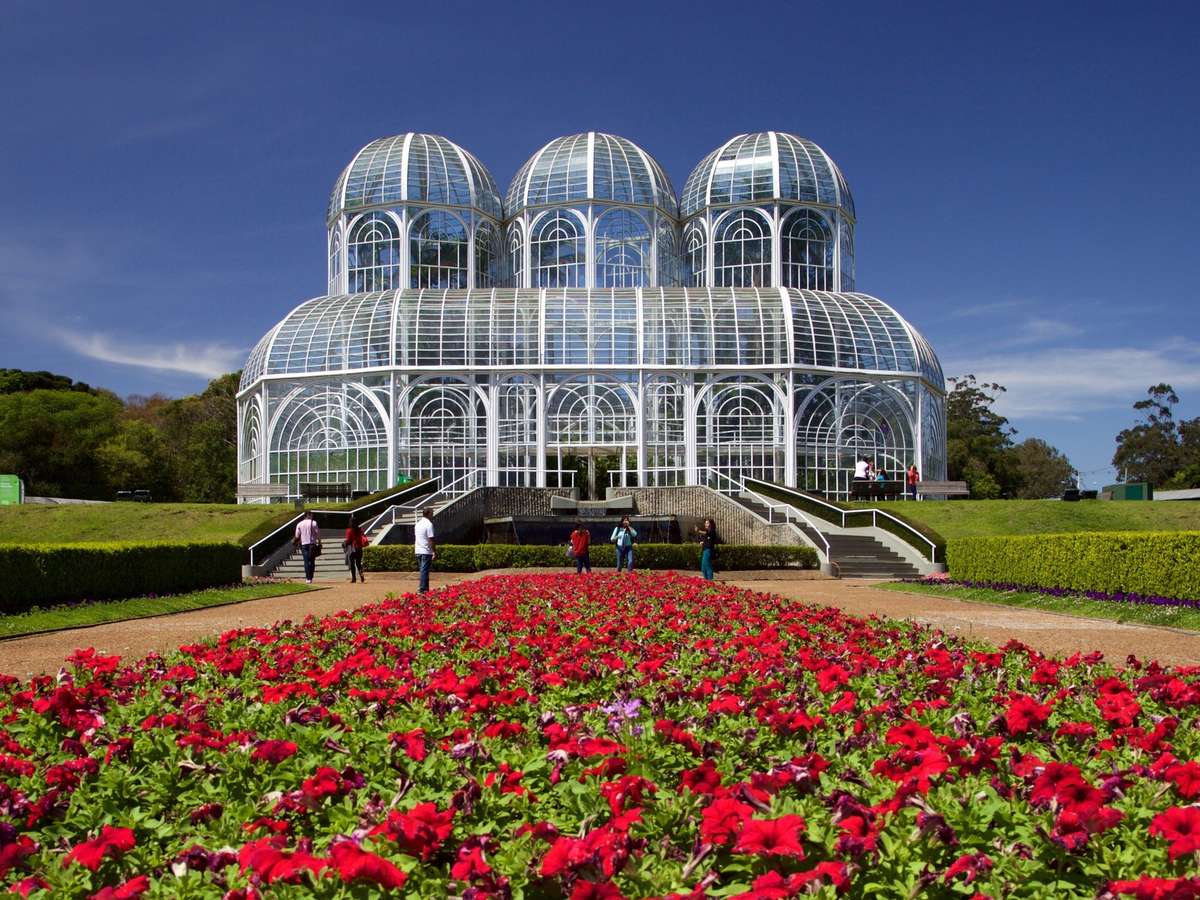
[
  {"x": 476, "y": 558},
  {"x": 36, "y": 574},
  {"x": 1154, "y": 563}
]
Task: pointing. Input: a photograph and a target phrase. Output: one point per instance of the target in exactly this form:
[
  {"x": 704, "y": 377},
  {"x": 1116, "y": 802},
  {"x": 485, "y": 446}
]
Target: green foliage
[
  {"x": 1043, "y": 470},
  {"x": 49, "y": 438},
  {"x": 1165, "y": 564},
  {"x": 1158, "y": 449},
  {"x": 477, "y": 558},
  {"x": 36, "y": 574},
  {"x": 979, "y": 440},
  {"x": 68, "y": 440}
]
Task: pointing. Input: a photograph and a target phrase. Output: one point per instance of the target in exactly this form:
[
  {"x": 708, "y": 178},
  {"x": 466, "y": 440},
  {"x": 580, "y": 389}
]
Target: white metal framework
[{"x": 592, "y": 315}]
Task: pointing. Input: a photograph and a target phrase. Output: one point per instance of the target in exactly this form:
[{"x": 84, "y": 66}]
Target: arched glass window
[
  {"x": 693, "y": 242},
  {"x": 666, "y": 253},
  {"x": 485, "y": 255},
  {"x": 558, "y": 250},
  {"x": 437, "y": 245},
  {"x": 806, "y": 252},
  {"x": 742, "y": 250},
  {"x": 516, "y": 256},
  {"x": 335, "y": 260},
  {"x": 622, "y": 250},
  {"x": 373, "y": 258}
]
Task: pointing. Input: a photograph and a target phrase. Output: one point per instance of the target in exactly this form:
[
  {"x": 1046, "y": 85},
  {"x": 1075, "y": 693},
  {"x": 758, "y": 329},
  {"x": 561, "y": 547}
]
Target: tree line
[{"x": 68, "y": 439}]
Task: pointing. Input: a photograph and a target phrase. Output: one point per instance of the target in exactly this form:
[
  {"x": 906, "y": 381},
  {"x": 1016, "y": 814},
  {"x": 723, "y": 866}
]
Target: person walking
[
  {"x": 623, "y": 536},
  {"x": 708, "y": 548},
  {"x": 581, "y": 540},
  {"x": 353, "y": 545},
  {"x": 423, "y": 548},
  {"x": 913, "y": 478},
  {"x": 308, "y": 537}
]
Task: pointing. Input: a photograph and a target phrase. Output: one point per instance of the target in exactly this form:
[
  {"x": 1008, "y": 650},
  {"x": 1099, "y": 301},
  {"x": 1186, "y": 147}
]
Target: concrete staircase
[
  {"x": 853, "y": 555},
  {"x": 331, "y": 564}
]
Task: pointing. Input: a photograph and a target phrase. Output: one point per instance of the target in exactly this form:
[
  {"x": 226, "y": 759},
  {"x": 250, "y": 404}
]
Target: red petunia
[
  {"x": 420, "y": 831},
  {"x": 1024, "y": 714},
  {"x": 1186, "y": 778},
  {"x": 1181, "y": 826},
  {"x": 13, "y": 853},
  {"x": 130, "y": 890},
  {"x": 110, "y": 842},
  {"x": 722, "y": 820},
  {"x": 266, "y": 859},
  {"x": 355, "y": 864},
  {"x": 470, "y": 864},
  {"x": 1147, "y": 888},
  {"x": 704, "y": 779},
  {"x": 772, "y": 837},
  {"x": 969, "y": 865},
  {"x": 592, "y": 890},
  {"x": 273, "y": 751},
  {"x": 412, "y": 742}
]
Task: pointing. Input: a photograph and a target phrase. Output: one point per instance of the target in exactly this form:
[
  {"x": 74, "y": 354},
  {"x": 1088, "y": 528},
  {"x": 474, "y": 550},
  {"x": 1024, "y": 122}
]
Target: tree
[
  {"x": 135, "y": 458},
  {"x": 1043, "y": 470},
  {"x": 1152, "y": 449},
  {"x": 50, "y": 437},
  {"x": 200, "y": 434},
  {"x": 979, "y": 440},
  {"x": 18, "y": 381}
]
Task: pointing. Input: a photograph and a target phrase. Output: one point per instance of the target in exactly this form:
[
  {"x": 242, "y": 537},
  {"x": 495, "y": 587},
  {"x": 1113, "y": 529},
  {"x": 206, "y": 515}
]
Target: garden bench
[
  {"x": 943, "y": 488},
  {"x": 876, "y": 490}
]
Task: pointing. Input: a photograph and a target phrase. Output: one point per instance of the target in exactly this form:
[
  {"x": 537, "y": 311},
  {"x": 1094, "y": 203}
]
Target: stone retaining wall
[{"x": 692, "y": 504}]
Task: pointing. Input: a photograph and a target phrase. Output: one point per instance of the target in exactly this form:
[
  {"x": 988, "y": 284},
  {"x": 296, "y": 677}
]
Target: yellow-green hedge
[
  {"x": 1162, "y": 563},
  {"x": 37, "y": 574},
  {"x": 475, "y": 558}
]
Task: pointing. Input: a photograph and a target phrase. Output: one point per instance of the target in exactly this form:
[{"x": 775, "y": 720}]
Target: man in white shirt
[
  {"x": 308, "y": 536},
  {"x": 424, "y": 547}
]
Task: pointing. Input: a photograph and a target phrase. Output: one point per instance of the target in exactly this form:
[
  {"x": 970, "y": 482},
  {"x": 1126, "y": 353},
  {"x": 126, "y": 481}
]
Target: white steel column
[
  {"x": 541, "y": 431},
  {"x": 691, "y": 475},
  {"x": 493, "y": 434},
  {"x": 918, "y": 431},
  {"x": 639, "y": 429}
]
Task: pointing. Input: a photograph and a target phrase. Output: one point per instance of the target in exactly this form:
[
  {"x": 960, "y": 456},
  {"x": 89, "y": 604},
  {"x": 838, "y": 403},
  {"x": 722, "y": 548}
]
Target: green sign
[
  {"x": 402, "y": 479},
  {"x": 11, "y": 492}
]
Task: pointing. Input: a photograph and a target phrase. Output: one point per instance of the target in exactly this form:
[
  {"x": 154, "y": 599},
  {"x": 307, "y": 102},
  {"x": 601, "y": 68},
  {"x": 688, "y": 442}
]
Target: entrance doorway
[{"x": 597, "y": 468}]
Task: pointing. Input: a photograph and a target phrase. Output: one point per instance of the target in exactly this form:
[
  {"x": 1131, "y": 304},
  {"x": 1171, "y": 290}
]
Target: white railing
[
  {"x": 788, "y": 511},
  {"x": 654, "y": 476},
  {"x": 468, "y": 481},
  {"x": 874, "y": 514}
]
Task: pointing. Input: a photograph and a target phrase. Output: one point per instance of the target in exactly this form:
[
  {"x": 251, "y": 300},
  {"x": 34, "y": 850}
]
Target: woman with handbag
[
  {"x": 708, "y": 547},
  {"x": 623, "y": 536}
]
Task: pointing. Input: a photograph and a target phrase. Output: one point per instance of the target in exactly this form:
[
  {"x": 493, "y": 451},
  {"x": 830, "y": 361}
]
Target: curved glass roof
[
  {"x": 418, "y": 168},
  {"x": 769, "y": 165},
  {"x": 591, "y": 166},
  {"x": 682, "y": 328}
]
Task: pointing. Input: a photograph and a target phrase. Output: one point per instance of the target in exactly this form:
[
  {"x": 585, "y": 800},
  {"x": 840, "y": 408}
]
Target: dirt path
[{"x": 1048, "y": 632}]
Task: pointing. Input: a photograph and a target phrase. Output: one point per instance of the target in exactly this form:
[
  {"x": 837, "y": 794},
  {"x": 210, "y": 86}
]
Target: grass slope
[
  {"x": 979, "y": 518},
  {"x": 79, "y": 615},
  {"x": 130, "y": 522},
  {"x": 1132, "y": 613}
]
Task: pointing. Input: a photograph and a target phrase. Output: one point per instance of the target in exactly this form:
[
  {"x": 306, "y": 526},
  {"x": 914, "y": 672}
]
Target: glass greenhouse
[{"x": 590, "y": 316}]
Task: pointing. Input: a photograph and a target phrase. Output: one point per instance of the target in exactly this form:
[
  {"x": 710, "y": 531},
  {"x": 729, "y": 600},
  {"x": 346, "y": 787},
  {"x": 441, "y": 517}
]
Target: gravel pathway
[{"x": 1048, "y": 632}]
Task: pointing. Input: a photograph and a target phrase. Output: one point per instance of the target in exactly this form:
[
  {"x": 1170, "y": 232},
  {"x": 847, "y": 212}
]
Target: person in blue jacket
[{"x": 623, "y": 536}]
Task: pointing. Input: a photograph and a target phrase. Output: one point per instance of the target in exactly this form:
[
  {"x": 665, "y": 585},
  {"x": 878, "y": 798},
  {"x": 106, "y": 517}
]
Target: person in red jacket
[
  {"x": 353, "y": 545},
  {"x": 581, "y": 540}
]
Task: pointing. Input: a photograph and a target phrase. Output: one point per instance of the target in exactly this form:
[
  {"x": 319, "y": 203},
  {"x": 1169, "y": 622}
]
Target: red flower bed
[{"x": 604, "y": 737}]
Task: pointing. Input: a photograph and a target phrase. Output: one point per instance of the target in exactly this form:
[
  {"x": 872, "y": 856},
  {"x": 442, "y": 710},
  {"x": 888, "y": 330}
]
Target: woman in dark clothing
[
  {"x": 353, "y": 545},
  {"x": 708, "y": 547}
]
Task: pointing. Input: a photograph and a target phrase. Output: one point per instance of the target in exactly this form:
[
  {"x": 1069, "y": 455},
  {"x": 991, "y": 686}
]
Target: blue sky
[{"x": 1025, "y": 174}]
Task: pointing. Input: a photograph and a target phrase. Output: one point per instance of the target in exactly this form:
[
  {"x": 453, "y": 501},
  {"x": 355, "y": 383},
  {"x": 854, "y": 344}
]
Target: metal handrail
[
  {"x": 875, "y": 513},
  {"x": 772, "y": 506},
  {"x": 291, "y": 523}
]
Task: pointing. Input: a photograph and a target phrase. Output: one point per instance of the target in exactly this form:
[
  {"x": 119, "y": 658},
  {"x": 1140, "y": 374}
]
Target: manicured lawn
[
  {"x": 78, "y": 615},
  {"x": 1140, "y": 614},
  {"x": 974, "y": 518},
  {"x": 132, "y": 522}
]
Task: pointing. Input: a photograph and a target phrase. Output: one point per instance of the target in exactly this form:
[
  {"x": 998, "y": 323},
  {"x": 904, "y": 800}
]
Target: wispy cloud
[
  {"x": 204, "y": 359},
  {"x": 989, "y": 308},
  {"x": 1067, "y": 383},
  {"x": 1039, "y": 330}
]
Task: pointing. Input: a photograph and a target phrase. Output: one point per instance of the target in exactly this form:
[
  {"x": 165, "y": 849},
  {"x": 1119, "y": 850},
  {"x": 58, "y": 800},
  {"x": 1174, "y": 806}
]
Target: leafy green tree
[
  {"x": 1043, "y": 470},
  {"x": 17, "y": 381},
  {"x": 979, "y": 440},
  {"x": 50, "y": 438},
  {"x": 135, "y": 458},
  {"x": 1152, "y": 449},
  {"x": 200, "y": 434}
]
